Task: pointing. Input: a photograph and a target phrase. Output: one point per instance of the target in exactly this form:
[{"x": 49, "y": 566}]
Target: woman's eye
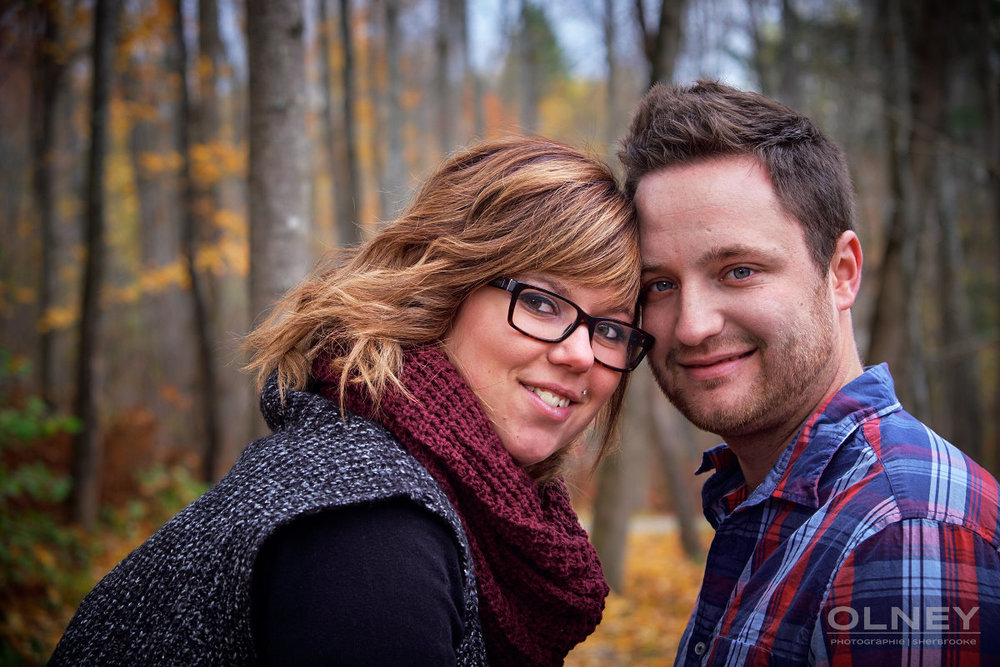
[
  {"x": 741, "y": 273},
  {"x": 538, "y": 303},
  {"x": 609, "y": 331}
]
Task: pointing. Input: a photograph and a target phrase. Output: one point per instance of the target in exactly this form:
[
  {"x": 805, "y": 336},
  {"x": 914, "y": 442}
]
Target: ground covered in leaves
[{"x": 643, "y": 624}]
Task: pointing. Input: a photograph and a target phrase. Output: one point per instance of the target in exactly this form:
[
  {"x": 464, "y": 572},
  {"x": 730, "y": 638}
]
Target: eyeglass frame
[{"x": 515, "y": 287}]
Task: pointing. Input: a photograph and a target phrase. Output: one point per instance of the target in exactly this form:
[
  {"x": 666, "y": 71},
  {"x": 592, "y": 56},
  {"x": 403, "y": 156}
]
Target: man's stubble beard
[{"x": 789, "y": 367}]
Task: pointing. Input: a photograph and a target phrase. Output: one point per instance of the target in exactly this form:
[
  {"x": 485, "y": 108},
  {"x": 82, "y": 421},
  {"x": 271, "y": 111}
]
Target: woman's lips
[{"x": 549, "y": 397}]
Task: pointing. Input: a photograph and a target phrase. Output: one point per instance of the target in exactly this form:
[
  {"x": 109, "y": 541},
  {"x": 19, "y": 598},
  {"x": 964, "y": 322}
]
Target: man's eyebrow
[
  {"x": 738, "y": 251},
  {"x": 722, "y": 254}
]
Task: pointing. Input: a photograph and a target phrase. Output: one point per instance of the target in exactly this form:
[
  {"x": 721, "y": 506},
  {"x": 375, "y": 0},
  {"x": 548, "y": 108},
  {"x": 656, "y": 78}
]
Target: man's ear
[{"x": 845, "y": 270}]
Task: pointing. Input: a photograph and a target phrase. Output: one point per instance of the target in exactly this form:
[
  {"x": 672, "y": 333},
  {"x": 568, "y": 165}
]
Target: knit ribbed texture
[
  {"x": 183, "y": 597},
  {"x": 541, "y": 588}
]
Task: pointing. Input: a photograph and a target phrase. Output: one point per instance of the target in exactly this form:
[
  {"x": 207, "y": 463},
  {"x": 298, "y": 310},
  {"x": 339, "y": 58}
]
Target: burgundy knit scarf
[{"x": 541, "y": 588}]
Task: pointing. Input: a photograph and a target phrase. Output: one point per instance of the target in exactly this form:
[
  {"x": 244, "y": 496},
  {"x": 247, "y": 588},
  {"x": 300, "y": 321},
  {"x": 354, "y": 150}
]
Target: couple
[{"x": 425, "y": 392}]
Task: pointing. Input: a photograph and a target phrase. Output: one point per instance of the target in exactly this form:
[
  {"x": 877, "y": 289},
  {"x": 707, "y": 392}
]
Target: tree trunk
[
  {"x": 211, "y": 59},
  {"x": 279, "y": 256},
  {"x": 613, "y": 502},
  {"x": 335, "y": 133},
  {"x": 326, "y": 112},
  {"x": 791, "y": 67},
  {"x": 206, "y": 381},
  {"x": 609, "y": 533},
  {"x": 662, "y": 46},
  {"x": 395, "y": 167},
  {"x": 162, "y": 313},
  {"x": 368, "y": 69},
  {"x": 988, "y": 78},
  {"x": 613, "y": 127},
  {"x": 895, "y": 322},
  {"x": 233, "y": 396},
  {"x": 87, "y": 446},
  {"x": 618, "y": 488},
  {"x": 349, "y": 228},
  {"x": 670, "y": 429},
  {"x": 528, "y": 72},
  {"x": 957, "y": 368},
  {"x": 474, "y": 83},
  {"x": 48, "y": 73},
  {"x": 442, "y": 52}
]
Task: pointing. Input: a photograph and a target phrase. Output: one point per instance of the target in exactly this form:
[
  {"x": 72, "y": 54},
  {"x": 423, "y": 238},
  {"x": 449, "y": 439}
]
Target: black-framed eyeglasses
[{"x": 551, "y": 318}]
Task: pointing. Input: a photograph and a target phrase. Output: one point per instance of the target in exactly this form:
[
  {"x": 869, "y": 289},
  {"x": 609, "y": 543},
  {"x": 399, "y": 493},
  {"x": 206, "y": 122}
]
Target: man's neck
[{"x": 757, "y": 452}]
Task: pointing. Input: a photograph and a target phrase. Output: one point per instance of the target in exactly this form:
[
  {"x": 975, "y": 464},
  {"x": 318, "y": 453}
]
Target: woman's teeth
[{"x": 554, "y": 400}]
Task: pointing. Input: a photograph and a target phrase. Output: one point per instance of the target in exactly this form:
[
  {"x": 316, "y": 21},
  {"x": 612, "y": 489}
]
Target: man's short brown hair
[{"x": 674, "y": 126}]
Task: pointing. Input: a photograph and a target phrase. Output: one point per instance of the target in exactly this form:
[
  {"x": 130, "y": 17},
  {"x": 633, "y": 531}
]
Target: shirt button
[{"x": 700, "y": 648}]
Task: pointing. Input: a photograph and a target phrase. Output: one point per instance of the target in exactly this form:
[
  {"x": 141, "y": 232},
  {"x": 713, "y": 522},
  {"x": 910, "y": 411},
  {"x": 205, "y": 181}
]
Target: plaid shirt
[{"x": 872, "y": 541}]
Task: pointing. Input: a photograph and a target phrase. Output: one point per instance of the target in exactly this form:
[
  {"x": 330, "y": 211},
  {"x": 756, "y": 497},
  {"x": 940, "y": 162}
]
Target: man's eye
[
  {"x": 741, "y": 273},
  {"x": 661, "y": 286}
]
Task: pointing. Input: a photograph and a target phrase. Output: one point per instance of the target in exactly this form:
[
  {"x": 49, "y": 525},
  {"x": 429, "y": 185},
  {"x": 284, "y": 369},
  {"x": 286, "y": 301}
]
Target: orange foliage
[
  {"x": 159, "y": 163},
  {"x": 643, "y": 625},
  {"x": 211, "y": 162}
]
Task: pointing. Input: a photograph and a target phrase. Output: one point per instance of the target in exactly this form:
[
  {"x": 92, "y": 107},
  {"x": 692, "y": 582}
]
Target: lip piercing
[{"x": 584, "y": 393}]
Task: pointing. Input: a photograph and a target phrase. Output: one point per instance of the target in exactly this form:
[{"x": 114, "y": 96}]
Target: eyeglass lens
[{"x": 549, "y": 317}]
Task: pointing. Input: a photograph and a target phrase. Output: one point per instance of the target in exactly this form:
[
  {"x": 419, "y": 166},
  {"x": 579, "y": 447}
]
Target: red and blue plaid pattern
[{"x": 871, "y": 542}]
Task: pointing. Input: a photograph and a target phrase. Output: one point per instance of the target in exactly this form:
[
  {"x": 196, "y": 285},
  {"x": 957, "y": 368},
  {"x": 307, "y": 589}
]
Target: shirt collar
[{"x": 796, "y": 474}]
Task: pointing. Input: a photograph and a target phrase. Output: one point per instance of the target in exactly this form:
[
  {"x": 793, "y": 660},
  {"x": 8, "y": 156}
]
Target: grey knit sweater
[{"x": 183, "y": 597}]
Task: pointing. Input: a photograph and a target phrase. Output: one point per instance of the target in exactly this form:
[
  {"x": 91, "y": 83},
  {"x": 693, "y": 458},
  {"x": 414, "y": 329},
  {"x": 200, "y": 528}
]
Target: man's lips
[{"x": 714, "y": 366}]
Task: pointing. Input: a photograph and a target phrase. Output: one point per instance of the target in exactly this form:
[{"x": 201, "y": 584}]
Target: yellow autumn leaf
[
  {"x": 209, "y": 259},
  {"x": 57, "y": 317},
  {"x": 24, "y": 294},
  {"x": 230, "y": 221},
  {"x": 158, "y": 279}
]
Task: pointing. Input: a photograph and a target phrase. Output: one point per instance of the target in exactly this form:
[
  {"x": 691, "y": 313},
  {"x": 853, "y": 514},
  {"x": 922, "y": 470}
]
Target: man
[{"x": 847, "y": 532}]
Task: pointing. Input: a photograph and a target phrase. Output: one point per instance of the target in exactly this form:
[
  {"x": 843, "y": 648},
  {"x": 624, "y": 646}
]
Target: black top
[
  {"x": 359, "y": 585},
  {"x": 183, "y": 597}
]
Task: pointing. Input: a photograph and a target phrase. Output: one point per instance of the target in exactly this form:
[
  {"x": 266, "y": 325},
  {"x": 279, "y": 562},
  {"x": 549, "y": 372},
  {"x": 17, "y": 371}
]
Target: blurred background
[{"x": 169, "y": 167}]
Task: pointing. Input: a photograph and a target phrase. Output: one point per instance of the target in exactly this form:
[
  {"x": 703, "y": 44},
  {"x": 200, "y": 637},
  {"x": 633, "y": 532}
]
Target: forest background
[{"x": 169, "y": 167}]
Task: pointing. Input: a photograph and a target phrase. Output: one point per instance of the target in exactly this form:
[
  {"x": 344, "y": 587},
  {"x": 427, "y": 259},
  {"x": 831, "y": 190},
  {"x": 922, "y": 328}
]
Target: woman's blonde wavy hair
[{"x": 501, "y": 208}]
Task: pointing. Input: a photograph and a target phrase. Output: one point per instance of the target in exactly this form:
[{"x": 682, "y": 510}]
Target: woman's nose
[{"x": 575, "y": 351}]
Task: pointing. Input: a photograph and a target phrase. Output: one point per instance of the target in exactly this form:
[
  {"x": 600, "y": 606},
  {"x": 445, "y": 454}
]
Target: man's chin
[{"x": 712, "y": 415}]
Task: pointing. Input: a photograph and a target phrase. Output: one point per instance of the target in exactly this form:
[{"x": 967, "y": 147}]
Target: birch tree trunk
[{"x": 279, "y": 198}]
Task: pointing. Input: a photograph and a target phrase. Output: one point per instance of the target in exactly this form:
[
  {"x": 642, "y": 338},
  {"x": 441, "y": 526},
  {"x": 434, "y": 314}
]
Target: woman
[{"x": 423, "y": 394}]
